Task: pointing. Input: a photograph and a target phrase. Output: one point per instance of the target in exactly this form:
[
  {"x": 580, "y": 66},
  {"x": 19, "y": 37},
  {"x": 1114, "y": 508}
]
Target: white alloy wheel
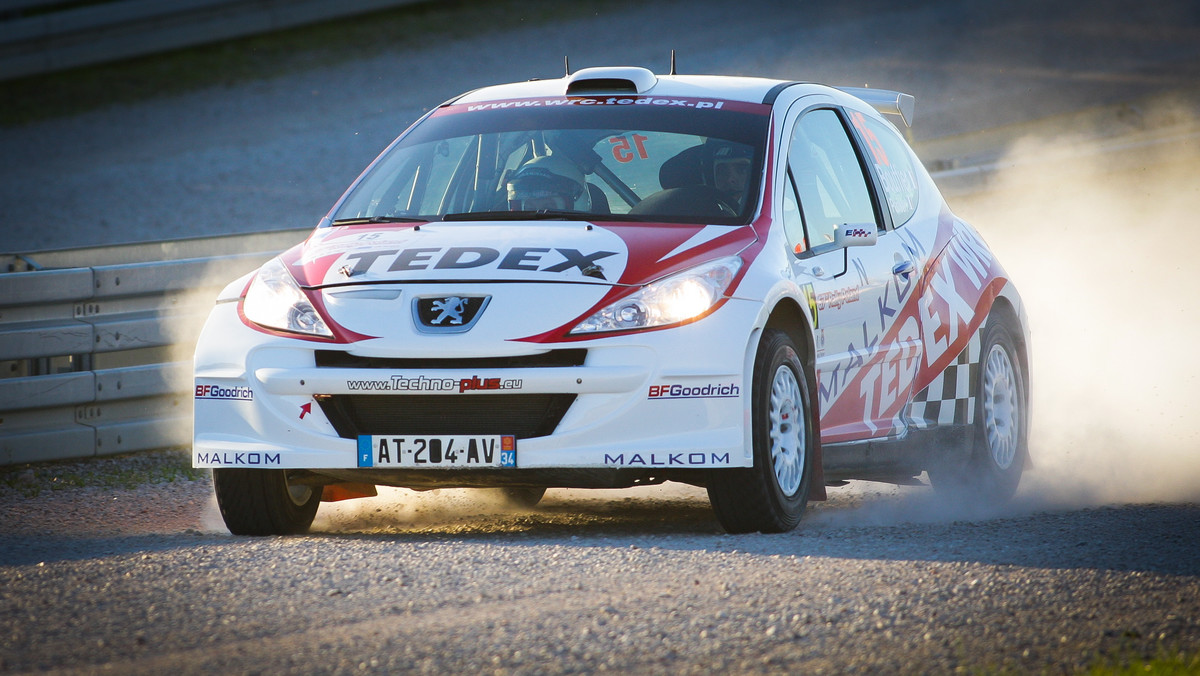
[
  {"x": 1001, "y": 409},
  {"x": 787, "y": 431},
  {"x": 988, "y": 469},
  {"x": 771, "y": 496}
]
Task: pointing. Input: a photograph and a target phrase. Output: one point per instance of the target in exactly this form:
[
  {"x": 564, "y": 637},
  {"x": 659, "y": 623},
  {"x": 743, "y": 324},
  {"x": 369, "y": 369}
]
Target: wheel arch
[
  {"x": 788, "y": 316},
  {"x": 1007, "y": 309}
]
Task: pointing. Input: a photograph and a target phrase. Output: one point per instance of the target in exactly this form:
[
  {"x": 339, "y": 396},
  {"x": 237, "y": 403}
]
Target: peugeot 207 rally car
[{"x": 619, "y": 278}]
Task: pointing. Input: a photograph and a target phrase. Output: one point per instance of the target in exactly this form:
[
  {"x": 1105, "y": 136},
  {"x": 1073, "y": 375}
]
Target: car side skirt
[{"x": 897, "y": 459}]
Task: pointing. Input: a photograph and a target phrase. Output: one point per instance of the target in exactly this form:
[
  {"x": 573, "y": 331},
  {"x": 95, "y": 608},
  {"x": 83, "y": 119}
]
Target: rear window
[{"x": 893, "y": 165}]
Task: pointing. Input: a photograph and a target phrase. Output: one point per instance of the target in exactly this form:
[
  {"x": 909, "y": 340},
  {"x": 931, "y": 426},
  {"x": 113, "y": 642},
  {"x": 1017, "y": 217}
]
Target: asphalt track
[{"x": 1095, "y": 560}]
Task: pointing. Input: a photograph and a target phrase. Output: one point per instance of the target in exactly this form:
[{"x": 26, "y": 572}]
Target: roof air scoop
[{"x": 611, "y": 80}]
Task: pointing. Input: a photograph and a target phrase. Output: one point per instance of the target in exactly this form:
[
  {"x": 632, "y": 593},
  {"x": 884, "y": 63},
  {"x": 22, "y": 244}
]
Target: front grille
[
  {"x": 523, "y": 415},
  {"x": 553, "y": 358}
]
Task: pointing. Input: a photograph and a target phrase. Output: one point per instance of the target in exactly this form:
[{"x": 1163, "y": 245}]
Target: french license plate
[{"x": 453, "y": 451}]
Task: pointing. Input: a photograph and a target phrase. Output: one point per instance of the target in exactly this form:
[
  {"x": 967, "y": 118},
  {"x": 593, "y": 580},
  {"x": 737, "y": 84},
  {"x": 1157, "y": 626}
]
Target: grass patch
[
  {"x": 1178, "y": 663},
  {"x": 421, "y": 26},
  {"x": 112, "y": 472}
]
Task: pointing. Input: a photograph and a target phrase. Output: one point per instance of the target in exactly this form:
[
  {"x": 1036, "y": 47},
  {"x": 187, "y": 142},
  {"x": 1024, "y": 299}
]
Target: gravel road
[
  {"x": 1096, "y": 561},
  {"x": 878, "y": 580}
]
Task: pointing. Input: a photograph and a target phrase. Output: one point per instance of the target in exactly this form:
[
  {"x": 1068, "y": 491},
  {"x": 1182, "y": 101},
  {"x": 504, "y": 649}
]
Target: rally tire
[
  {"x": 263, "y": 502},
  {"x": 522, "y": 497},
  {"x": 992, "y": 469},
  {"x": 771, "y": 496}
]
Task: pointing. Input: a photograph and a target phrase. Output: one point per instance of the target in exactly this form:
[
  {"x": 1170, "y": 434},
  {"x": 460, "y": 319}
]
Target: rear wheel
[
  {"x": 264, "y": 501},
  {"x": 993, "y": 468},
  {"x": 771, "y": 496}
]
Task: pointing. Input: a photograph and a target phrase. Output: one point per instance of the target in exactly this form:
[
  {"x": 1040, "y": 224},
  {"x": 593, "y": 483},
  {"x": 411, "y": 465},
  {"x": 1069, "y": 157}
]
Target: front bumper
[{"x": 672, "y": 399}]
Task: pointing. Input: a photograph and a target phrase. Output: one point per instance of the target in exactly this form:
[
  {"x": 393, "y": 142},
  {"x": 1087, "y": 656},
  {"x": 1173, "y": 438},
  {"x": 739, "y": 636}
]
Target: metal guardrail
[
  {"x": 41, "y": 36},
  {"x": 96, "y": 343}
]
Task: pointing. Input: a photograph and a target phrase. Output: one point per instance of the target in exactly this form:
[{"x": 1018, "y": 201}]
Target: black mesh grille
[
  {"x": 523, "y": 415},
  {"x": 553, "y": 358}
]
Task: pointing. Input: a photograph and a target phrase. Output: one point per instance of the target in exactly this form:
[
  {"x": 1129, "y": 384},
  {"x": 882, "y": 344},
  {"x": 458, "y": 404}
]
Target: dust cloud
[
  {"x": 393, "y": 510},
  {"x": 1101, "y": 237},
  {"x": 403, "y": 508},
  {"x": 677, "y": 507},
  {"x": 185, "y": 311}
]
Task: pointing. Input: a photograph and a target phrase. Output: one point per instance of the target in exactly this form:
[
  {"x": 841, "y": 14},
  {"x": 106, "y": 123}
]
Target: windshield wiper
[
  {"x": 379, "y": 219},
  {"x": 539, "y": 215}
]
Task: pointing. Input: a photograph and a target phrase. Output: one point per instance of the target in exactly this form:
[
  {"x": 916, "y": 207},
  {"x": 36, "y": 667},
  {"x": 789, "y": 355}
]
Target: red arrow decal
[{"x": 305, "y": 410}]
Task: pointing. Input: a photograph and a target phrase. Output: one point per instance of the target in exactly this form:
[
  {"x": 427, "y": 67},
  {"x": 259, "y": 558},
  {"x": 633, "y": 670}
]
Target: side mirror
[
  {"x": 855, "y": 234},
  {"x": 847, "y": 235}
]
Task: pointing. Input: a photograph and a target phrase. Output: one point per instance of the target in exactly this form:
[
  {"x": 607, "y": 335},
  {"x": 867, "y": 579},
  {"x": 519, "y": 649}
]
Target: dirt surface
[
  {"x": 877, "y": 580},
  {"x": 124, "y": 495}
]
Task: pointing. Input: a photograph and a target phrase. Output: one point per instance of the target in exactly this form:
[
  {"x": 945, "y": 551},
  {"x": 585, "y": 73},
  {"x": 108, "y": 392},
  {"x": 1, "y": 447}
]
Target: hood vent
[{"x": 611, "y": 80}]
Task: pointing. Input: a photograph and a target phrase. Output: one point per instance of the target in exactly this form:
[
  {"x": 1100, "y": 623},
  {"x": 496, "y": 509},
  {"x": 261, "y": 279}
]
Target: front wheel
[
  {"x": 522, "y": 497},
  {"x": 771, "y": 496},
  {"x": 264, "y": 501}
]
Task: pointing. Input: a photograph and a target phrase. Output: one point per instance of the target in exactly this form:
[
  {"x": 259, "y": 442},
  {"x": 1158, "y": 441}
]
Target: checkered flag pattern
[{"x": 950, "y": 399}]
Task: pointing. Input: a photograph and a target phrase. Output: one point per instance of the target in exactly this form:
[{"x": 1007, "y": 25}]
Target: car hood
[{"x": 549, "y": 252}]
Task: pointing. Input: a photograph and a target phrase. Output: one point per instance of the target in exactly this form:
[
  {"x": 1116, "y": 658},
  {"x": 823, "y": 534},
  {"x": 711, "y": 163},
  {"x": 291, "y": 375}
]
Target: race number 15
[{"x": 623, "y": 150}]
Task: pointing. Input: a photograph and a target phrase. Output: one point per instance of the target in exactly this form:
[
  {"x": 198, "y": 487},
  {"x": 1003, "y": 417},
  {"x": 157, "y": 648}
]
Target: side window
[
  {"x": 893, "y": 165},
  {"x": 793, "y": 222},
  {"x": 828, "y": 177}
]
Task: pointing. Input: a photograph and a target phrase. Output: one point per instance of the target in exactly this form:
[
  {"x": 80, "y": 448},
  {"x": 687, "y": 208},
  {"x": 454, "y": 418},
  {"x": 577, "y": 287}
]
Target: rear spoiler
[{"x": 886, "y": 102}]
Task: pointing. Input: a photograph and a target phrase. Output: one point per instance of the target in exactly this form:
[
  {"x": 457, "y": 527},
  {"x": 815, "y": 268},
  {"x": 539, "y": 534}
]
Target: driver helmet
[
  {"x": 731, "y": 169},
  {"x": 548, "y": 182}
]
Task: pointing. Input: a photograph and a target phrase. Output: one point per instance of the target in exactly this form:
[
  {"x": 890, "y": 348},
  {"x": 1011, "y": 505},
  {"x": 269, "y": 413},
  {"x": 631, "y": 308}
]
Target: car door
[{"x": 867, "y": 350}]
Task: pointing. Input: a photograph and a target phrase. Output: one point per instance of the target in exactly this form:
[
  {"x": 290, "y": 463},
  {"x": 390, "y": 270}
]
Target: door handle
[{"x": 904, "y": 269}]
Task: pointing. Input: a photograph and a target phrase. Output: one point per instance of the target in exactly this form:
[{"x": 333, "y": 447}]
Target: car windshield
[{"x": 595, "y": 159}]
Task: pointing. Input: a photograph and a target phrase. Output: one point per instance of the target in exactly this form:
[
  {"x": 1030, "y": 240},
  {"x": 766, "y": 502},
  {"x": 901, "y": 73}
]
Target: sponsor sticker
[
  {"x": 706, "y": 391},
  {"x": 810, "y": 295},
  {"x": 522, "y": 258},
  {"x": 838, "y": 297},
  {"x": 236, "y": 459},
  {"x": 421, "y": 383},
  {"x": 690, "y": 459},
  {"x": 686, "y": 102},
  {"x": 237, "y": 392}
]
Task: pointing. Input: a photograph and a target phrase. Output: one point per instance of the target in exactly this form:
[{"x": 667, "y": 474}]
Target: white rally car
[{"x": 614, "y": 279}]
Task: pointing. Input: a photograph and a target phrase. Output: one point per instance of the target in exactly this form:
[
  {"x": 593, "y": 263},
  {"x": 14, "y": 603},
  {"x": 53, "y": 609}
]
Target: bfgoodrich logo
[
  {"x": 217, "y": 392},
  {"x": 706, "y": 391}
]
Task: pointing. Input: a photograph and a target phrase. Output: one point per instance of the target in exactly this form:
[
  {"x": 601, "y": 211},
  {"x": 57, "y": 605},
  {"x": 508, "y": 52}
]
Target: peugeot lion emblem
[{"x": 448, "y": 314}]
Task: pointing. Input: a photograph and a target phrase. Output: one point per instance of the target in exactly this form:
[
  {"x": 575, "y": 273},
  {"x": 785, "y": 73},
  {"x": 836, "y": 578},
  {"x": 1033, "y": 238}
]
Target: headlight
[
  {"x": 275, "y": 300},
  {"x": 677, "y": 298}
]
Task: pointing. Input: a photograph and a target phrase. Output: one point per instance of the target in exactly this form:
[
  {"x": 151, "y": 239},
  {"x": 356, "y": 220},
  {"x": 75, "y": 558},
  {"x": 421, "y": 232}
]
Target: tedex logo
[
  {"x": 528, "y": 259},
  {"x": 448, "y": 314}
]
